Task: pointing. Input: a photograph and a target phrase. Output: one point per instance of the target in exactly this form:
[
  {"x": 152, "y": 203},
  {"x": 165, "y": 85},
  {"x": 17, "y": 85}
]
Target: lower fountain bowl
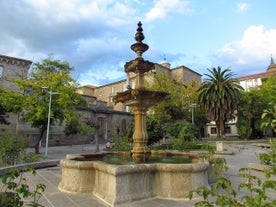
[{"x": 117, "y": 184}]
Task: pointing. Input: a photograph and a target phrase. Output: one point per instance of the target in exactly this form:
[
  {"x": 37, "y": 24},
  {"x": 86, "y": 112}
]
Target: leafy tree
[
  {"x": 177, "y": 107},
  {"x": 219, "y": 96},
  {"x": 3, "y": 109},
  {"x": 9, "y": 102},
  {"x": 269, "y": 89},
  {"x": 251, "y": 105},
  {"x": 269, "y": 114},
  {"x": 54, "y": 75},
  {"x": 269, "y": 119}
]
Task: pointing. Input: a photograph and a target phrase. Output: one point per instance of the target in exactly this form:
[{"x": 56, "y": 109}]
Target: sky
[{"x": 94, "y": 36}]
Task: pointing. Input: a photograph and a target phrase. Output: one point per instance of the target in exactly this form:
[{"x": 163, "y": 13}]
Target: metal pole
[
  {"x": 193, "y": 106},
  {"x": 192, "y": 114},
  {"x": 48, "y": 124}
]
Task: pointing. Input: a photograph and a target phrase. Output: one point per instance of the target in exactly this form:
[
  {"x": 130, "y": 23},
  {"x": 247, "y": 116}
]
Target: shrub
[
  {"x": 182, "y": 130},
  {"x": 154, "y": 130},
  {"x": 269, "y": 158},
  {"x": 32, "y": 157},
  {"x": 12, "y": 148},
  {"x": 121, "y": 143},
  {"x": 182, "y": 135}
]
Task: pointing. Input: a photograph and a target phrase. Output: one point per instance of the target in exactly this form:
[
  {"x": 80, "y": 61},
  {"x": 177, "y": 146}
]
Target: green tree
[
  {"x": 251, "y": 105},
  {"x": 269, "y": 114},
  {"x": 269, "y": 89},
  {"x": 269, "y": 119},
  {"x": 177, "y": 107},
  {"x": 53, "y": 74},
  {"x": 10, "y": 101},
  {"x": 3, "y": 109},
  {"x": 219, "y": 96}
]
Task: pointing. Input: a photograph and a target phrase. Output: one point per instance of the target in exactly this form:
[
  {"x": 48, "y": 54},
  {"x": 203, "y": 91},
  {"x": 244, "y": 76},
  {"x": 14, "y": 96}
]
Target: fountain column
[{"x": 140, "y": 151}]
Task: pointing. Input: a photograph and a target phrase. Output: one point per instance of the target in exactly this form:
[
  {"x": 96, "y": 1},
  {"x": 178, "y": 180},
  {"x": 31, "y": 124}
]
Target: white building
[{"x": 255, "y": 80}]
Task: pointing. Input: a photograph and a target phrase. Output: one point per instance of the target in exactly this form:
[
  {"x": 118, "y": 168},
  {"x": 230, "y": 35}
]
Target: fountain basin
[{"x": 117, "y": 184}]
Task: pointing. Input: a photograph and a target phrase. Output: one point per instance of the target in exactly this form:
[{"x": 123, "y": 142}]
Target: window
[
  {"x": 213, "y": 130},
  {"x": 100, "y": 93},
  {"x": 1, "y": 71},
  {"x": 124, "y": 87},
  {"x": 228, "y": 130},
  {"x": 126, "y": 108},
  {"x": 112, "y": 89}
]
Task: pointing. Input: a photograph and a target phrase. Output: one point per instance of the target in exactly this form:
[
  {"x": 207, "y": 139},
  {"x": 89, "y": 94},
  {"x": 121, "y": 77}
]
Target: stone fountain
[
  {"x": 117, "y": 184},
  {"x": 140, "y": 98}
]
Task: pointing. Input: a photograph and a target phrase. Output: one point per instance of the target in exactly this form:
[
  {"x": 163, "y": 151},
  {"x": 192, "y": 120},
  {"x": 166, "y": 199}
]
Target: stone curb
[
  {"x": 35, "y": 165},
  {"x": 225, "y": 152},
  {"x": 259, "y": 167}
]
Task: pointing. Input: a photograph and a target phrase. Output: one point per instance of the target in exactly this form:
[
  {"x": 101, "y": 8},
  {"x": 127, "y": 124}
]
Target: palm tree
[{"x": 218, "y": 96}]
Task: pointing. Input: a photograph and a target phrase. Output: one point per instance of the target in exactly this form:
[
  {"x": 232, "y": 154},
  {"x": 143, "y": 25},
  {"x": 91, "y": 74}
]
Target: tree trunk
[
  {"x": 37, "y": 147},
  {"x": 222, "y": 128}
]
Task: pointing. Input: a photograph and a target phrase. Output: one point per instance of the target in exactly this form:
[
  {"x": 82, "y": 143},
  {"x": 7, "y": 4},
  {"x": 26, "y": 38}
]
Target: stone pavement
[{"x": 52, "y": 197}]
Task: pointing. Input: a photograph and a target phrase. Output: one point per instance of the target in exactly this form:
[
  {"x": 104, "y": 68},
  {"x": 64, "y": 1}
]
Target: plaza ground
[{"x": 244, "y": 153}]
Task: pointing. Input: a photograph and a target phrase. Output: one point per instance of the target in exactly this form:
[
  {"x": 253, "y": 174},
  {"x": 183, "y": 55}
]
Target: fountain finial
[
  {"x": 139, "y": 47},
  {"x": 139, "y": 36}
]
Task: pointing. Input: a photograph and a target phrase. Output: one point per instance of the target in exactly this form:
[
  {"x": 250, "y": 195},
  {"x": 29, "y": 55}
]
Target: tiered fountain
[
  {"x": 116, "y": 184},
  {"x": 140, "y": 98}
]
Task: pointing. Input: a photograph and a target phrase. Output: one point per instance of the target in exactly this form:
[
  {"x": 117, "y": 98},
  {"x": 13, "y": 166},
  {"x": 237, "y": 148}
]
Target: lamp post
[
  {"x": 49, "y": 119},
  {"x": 193, "y": 105}
]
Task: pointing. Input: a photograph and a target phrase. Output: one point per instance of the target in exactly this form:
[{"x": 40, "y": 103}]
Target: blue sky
[{"x": 94, "y": 36}]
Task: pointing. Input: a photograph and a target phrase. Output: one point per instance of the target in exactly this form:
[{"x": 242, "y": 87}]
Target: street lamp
[
  {"x": 49, "y": 119},
  {"x": 193, "y": 105}
]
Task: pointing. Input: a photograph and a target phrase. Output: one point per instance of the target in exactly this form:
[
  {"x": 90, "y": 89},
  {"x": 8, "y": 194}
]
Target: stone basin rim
[{"x": 114, "y": 169}]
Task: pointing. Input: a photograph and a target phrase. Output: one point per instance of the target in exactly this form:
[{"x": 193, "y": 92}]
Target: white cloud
[
  {"x": 162, "y": 8},
  {"x": 90, "y": 34},
  {"x": 255, "y": 44},
  {"x": 255, "y": 47},
  {"x": 98, "y": 77},
  {"x": 243, "y": 6}
]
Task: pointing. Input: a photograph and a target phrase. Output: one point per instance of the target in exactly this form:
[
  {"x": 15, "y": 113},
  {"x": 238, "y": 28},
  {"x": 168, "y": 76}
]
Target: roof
[
  {"x": 4, "y": 57},
  {"x": 88, "y": 86},
  {"x": 257, "y": 75},
  {"x": 185, "y": 67}
]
